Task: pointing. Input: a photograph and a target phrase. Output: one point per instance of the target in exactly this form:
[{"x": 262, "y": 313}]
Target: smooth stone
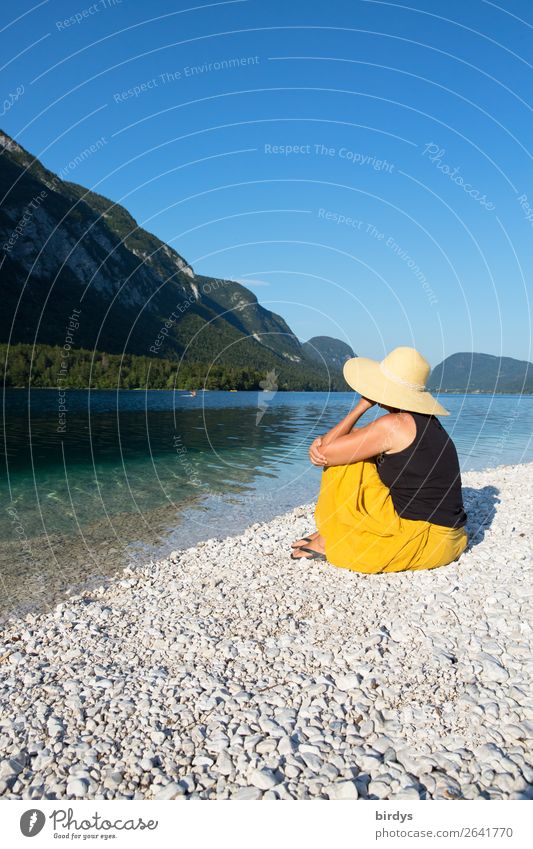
[
  {"x": 313, "y": 762},
  {"x": 368, "y": 763},
  {"x": 379, "y": 789},
  {"x": 113, "y": 780},
  {"x": 158, "y": 737},
  {"x": 264, "y": 779},
  {"x": 77, "y": 787},
  {"x": 347, "y": 683},
  {"x": 248, "y": 793},
  {"x": 170, "y": 791},
  {"x": 342, "y": 790},
  {"x": 224, "y": 764},
  {"x": 382, "y": 744},
  {"x": 266, "y": 746},
  {"x": 13, "y": 765},
  {"x": 406, "y": 793},
  {"x": 286, "y": 746},
  {"x": 493, "y": 670}
]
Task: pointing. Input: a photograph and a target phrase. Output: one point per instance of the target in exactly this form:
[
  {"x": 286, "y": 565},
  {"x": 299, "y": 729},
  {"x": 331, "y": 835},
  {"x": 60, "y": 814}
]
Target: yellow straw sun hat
[{"x": 399, "y": 380}]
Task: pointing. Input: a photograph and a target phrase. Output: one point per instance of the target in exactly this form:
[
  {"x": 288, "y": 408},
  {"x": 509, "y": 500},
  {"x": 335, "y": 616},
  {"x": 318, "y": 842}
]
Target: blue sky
[{"x": 365, "y": 167}]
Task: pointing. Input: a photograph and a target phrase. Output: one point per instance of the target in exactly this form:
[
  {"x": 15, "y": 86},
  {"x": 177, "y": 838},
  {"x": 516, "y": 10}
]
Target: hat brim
[{"x": 366, "y": 378}]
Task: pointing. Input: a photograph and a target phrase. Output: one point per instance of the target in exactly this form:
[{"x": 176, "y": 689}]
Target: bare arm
[
  {"x": 342, "y": 445},
  {"x": 361, "y": 444},
  {"x": 345, "y": 426}
]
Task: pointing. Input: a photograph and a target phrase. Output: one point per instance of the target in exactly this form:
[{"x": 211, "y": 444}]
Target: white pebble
[
  {"x": 341, "y": 790},
  {"x": 264, "y": 779}
]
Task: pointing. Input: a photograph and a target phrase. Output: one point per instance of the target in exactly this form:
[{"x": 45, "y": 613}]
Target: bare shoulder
[
  {"x": 401, "y": 430},
  {"x": 392, "y": 432}
]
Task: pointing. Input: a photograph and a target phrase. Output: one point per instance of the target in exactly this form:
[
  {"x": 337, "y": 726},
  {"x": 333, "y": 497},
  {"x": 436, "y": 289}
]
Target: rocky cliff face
[{"x": 65, "y": 247}]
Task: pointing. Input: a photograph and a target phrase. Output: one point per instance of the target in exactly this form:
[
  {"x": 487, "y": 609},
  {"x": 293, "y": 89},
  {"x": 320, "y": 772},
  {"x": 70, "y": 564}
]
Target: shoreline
[
  {"x": 229, "y": 671},
  {"x": 435, "y": 392},
  {"x": 98, "y": 556}
]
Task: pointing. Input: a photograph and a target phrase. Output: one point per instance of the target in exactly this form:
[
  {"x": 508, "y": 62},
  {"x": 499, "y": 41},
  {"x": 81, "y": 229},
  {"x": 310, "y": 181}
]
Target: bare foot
[
  {"x": 318, "y": 545},
  {"x": 304, "y": 540}
]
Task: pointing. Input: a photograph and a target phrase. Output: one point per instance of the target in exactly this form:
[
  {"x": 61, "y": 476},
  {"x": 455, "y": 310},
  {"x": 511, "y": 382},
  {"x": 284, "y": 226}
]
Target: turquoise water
[{"x": 112, "y": 476}]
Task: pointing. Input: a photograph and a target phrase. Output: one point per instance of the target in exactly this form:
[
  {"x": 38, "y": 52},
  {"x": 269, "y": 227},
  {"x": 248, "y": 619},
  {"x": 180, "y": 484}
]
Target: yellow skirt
[{"x": 363, "y": 532}]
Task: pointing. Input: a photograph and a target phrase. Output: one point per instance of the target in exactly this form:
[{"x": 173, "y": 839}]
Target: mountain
[
  {"x": 471, "y": 372},
  {"x": 326, "y": 349},
  {"x": 78, "y": 271},
  {"x": 69, "y": 249}
]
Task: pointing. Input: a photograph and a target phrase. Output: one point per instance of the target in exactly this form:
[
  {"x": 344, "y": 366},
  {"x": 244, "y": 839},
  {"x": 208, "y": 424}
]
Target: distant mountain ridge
[
  {"x": 66, "y": 247},
  {"x": 473, "y": 372},
  {"x": 325, "y": 349}
]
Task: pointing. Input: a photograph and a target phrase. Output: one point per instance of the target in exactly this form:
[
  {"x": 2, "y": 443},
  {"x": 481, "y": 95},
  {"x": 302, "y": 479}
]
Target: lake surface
[{"x": 92, "y": 481}]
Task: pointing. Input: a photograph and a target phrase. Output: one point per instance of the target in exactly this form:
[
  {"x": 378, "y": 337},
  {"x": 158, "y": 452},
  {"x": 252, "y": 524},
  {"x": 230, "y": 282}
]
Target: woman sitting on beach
[{"x": 390, "y": 496}]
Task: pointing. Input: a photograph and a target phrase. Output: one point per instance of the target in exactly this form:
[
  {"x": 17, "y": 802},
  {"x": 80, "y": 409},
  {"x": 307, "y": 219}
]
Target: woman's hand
[{"x": 315, "y": 455}]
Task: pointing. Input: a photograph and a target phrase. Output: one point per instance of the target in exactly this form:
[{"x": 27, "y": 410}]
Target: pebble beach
[{"x": 229, "y": 671}]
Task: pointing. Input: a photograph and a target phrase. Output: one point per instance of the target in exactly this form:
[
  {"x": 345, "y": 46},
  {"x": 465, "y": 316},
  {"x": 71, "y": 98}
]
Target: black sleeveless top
[{"x": 424, "y": 479}]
